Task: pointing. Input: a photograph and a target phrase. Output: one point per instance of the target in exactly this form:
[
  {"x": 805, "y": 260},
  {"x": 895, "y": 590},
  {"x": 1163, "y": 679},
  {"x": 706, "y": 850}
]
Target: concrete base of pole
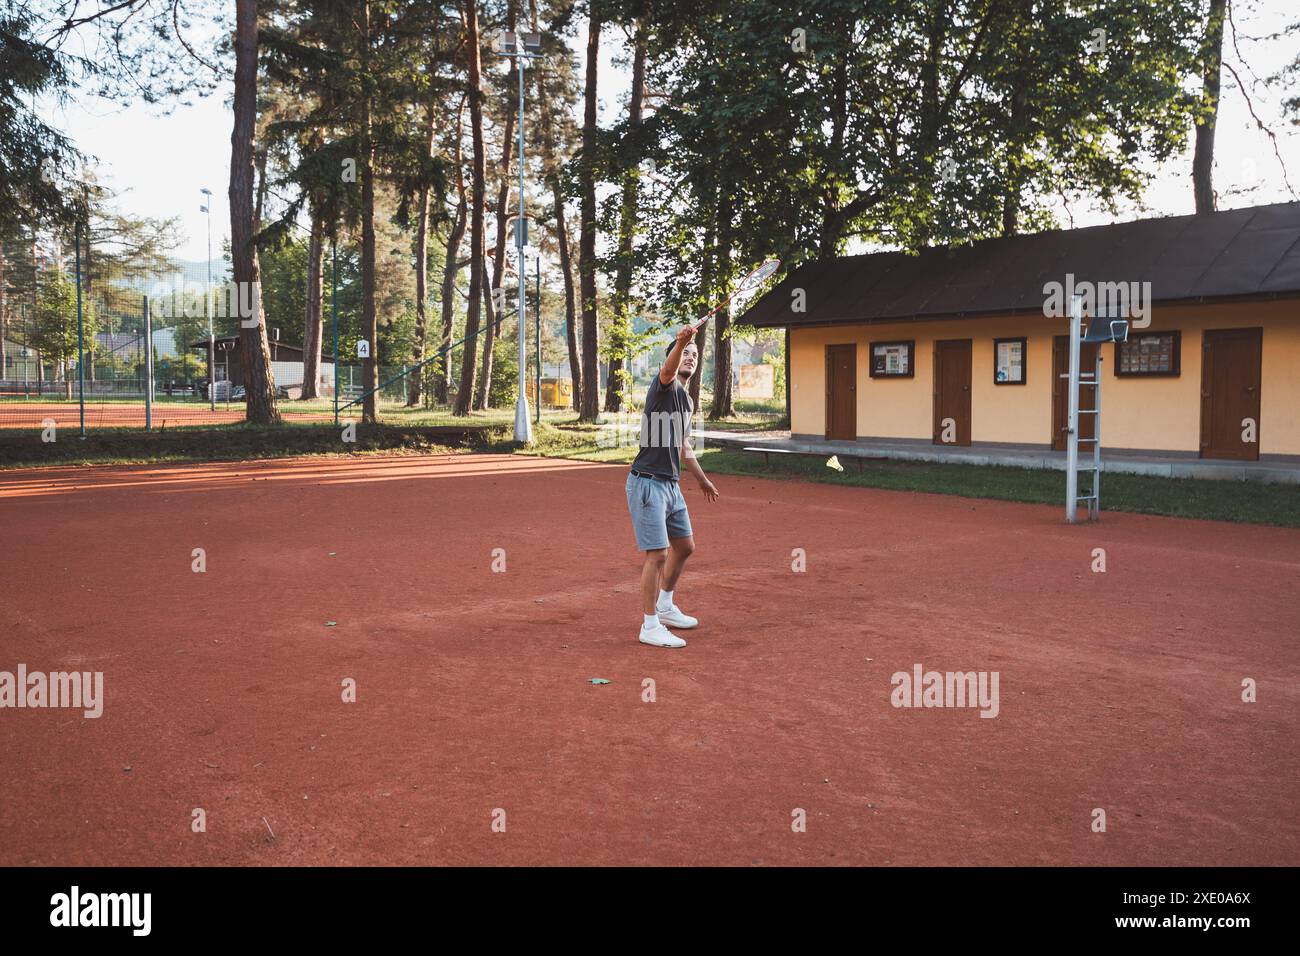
[{"x": 523, "y": 423}]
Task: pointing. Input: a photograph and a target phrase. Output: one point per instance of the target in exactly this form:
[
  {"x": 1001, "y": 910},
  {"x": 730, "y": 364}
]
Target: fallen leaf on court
[
  {"x": 331, "y": 623},
  {"x": 834, "y": 462},
  {"x": 332, "y": 553},
  {"x": 599, "y": 680}
]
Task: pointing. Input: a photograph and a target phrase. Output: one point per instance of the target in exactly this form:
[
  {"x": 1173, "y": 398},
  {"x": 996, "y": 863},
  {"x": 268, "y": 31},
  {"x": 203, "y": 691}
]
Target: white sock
[
  {"x": 651, "y": 620},
  {"x": 665, "y": 600}
]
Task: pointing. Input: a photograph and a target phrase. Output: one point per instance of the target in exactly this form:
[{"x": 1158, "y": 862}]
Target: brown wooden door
[
  {"x": 842, "y": 392},
  {"x": 1061, "y": 390},
  {"x": 952, "y": 392},
  {"x": 1230, "y": 385}
]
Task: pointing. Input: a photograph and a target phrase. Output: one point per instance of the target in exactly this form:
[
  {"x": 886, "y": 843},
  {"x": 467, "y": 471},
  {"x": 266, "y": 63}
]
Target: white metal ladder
[{"x": 1105, "y": 330}]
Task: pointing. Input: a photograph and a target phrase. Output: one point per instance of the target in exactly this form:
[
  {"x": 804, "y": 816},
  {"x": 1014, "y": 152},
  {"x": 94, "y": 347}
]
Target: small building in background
[
  {"x": 968, "y": 345},
  {"x": 286, "y": 365}
]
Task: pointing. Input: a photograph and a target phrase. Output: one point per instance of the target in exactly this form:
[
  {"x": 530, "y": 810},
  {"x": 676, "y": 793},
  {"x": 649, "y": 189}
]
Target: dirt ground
[{"x": 1119, "y": 691}]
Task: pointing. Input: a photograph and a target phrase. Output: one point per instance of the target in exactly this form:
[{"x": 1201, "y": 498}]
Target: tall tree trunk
[
  {"x": 1017, "y": 139},
  {"x": 483, "y": 398},
  {"x": 313, "y": 326},
  {"x": 491, "y": 322},
  {"x": 421, "y": 302},
  {"x": 619, "y": 360},
  {"x": 930, "y": 125},
  {"x": 786, "y": 360},
  {"x": 561, "y": 229},
  {"x": 255, "y": 357},
  {"x": 587, "y": 241},
  {"x": 259, "y": 161},
  {"x": 1207, "y": 116},
  {"x": 369, "y": 317},
  {"x": 723, "y": 403},
  {"x": 570, "y": 303},
  {"x": 708, "y": 272},
  {"x": 450, "y": 268},
  {"x": 421, "y": 279},
  {"x": 465, "y": 393}
]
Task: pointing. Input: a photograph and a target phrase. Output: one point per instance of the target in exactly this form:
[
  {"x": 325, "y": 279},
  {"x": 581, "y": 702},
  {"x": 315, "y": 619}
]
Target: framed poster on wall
[
  {"x": 1149, "y": 353},
  {"x": 892, "y": 359},
  {"x": 1009, "y": 361}
]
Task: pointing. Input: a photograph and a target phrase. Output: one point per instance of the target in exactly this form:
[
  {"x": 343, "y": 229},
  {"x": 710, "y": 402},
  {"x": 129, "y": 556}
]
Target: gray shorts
[{"x": 658, "y": 512}]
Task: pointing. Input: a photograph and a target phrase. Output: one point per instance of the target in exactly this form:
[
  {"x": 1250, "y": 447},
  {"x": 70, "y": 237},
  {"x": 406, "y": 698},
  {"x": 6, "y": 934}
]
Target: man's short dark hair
[{"x": 669, "y": 351}]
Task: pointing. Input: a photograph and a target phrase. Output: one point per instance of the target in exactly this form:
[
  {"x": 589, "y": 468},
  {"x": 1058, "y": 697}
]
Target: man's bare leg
[
  {"x": 651, "y": 573},
  {"x": 653, "y": 630},
  {"x": 679, "y": 549},
  {"x": 666, "y": 609}
]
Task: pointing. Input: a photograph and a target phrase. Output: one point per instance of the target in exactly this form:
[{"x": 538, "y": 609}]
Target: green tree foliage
[
  {"x": 903, "y": 123},
  {"x": 54, "y": 329},
  {"x": 284, "y": 289},
  {"x": 34, "y": 157}
]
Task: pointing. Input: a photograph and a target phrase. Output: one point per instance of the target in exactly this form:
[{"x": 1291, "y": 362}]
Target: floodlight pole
[
  {"x": 522, "y": 47},
  {"x": 537, "y": 284},
  {"x": 148, "y": 365},
  {"x": 523, "y": 427},
  {"x": 207, "y": 308}
]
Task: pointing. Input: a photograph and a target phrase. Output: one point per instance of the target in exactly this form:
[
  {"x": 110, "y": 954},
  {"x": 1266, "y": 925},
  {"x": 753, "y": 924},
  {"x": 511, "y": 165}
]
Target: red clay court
[
  {"x": 30, "y": 415},
  {"x": 223, "y": 689}
]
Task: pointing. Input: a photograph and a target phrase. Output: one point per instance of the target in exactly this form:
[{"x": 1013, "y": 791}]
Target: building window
[
  {"x": 1009, "y": 361},
  {"x": 1149, "y": 353},
  {"x": 892, "y": 359}
]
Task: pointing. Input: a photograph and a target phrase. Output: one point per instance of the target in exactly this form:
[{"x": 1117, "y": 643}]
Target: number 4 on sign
[{"x": 363, "y": 349}]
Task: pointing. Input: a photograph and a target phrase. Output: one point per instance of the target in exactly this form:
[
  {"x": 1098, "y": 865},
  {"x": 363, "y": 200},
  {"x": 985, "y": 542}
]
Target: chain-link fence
[
  {"x": 101, "y": 333},
  {"x": 96, "y": 337}
]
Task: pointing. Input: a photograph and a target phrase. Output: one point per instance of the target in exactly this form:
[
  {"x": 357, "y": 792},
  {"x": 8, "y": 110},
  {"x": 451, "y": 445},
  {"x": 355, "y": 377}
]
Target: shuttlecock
[{"x": 834, "y": 462}]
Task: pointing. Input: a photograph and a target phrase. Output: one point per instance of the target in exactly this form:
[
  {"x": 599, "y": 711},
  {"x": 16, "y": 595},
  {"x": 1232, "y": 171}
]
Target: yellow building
[{"x": 967, "y": 346}]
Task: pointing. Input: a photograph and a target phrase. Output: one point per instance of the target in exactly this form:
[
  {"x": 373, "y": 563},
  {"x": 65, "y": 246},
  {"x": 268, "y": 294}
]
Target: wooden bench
[{"x": 769, "y": 452}]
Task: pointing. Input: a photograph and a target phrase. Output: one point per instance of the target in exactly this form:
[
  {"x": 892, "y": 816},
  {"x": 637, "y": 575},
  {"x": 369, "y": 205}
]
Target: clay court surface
[
  {"x": 223, "y": 690},
  {"x": 131, "y": 414}
]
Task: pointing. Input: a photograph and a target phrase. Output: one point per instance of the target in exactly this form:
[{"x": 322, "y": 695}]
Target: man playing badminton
[{"x": 654, "y": 500}]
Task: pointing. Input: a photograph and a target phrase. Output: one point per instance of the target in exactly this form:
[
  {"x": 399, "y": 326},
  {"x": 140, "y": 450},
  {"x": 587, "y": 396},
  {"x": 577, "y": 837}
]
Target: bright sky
[{"x": 159, "y": 162}]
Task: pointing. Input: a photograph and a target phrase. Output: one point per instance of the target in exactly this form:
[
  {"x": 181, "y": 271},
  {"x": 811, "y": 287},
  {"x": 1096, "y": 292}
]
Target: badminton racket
[{"x": 747, "y": 284}]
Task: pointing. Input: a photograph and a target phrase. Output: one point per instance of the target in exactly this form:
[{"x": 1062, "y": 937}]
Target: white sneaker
[
  {"x": 673, "y": 617},
  {"x": 659, "y": 636}
]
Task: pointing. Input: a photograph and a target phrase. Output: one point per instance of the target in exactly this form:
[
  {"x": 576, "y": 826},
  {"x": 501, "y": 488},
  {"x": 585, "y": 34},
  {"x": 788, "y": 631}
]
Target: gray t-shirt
[{"x": 664, "y": 421}]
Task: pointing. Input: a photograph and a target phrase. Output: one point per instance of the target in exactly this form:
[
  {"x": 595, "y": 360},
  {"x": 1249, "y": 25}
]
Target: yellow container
[{"x": 556, "y": 392}]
